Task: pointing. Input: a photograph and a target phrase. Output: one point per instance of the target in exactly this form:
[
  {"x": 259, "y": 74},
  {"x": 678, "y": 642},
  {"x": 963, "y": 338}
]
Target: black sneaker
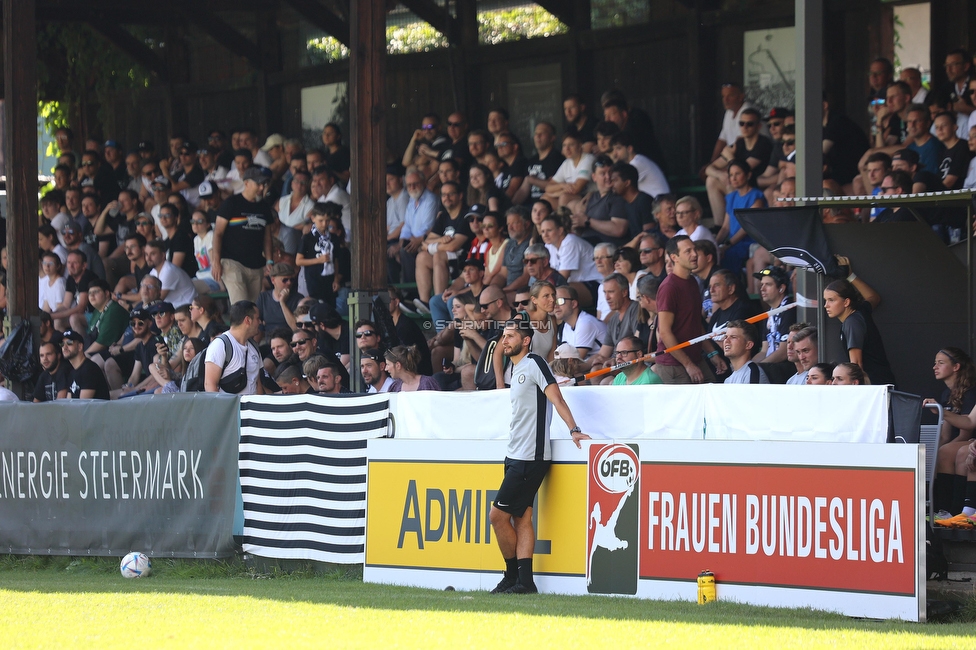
[
  {"x": 519, "y": 588},
  {"x": 503, "y": 586}
]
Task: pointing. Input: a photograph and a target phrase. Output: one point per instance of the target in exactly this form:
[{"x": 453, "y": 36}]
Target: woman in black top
[
  {"x": 859, "y": 335},
  {"x": 953, "y": 367}
]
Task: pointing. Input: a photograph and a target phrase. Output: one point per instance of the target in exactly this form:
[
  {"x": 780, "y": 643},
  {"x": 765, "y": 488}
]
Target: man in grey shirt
[
  {"x": 741, "y": 338},
  {"x": 534, "y": 393},
  {"x": 621, "y": 322}
]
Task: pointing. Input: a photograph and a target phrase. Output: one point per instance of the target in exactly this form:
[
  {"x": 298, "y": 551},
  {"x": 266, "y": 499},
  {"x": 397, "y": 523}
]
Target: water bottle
[{"x": 706, "y": 587}]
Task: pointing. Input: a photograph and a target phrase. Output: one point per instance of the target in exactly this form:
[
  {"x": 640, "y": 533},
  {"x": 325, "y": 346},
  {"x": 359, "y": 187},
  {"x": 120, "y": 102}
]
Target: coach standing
[{"x": 534, "y": 392}]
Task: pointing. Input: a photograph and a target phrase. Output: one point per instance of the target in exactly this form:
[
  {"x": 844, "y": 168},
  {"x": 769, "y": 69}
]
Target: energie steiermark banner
[{"x": 157, "y": 475}]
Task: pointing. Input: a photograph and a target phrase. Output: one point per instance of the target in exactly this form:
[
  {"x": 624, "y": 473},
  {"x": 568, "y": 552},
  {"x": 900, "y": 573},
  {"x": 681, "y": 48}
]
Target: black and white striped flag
[{"x": 303, "y": 474}]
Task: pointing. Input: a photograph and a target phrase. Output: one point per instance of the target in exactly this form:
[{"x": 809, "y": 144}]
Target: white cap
[{"x": 566, "y": 351}]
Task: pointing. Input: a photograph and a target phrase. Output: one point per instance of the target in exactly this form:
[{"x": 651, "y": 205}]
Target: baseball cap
[
  {"x": 146, "y": 145},
  {"x": 205, "y": 189},
  {"x": 70, "y": 227},
  {"x": 475, "y": 262},
  {"x": 395, "y": 169},
  {"x": 282, "y": 269},
  {"x": 161, "y": 180},
  {"x": 321, "y": 312},
  {"x": 908, "y": 155},
  {"x": 188, "y": 146},
  {"x": 256, "y": 174},
  {"x": 139, "y": 313},
  {"x": 274, "y": 140},
  {"x": 566, "y": 351},
  {"x": 113, "y": 144},
  {"x": 162, "y": 307},
  {"x": 777, "y": 273},
  {"x": 73, "y": 335},
  {"x": 478, "y": 209},
  {"x": 373, "y": 353},
  {"x": 778, "y": 113}
]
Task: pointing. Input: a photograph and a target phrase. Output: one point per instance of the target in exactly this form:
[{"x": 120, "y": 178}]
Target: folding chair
[{"x": 929, "y": 435}]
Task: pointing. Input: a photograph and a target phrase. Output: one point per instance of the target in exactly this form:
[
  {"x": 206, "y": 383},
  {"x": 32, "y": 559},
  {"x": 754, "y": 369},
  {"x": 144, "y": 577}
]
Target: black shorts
[{"x": 519, "y": 487}]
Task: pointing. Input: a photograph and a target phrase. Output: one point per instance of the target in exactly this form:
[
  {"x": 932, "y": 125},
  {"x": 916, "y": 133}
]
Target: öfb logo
[{"x": 613, "y": 496}]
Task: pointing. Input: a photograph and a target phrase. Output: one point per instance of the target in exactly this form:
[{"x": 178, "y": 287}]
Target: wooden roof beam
[
  {"x": 323, "y": 18},
  {"x": 139, "y": 51},
  {"x": 225, "y": 35},
  {"x": 436, "y": 16}
]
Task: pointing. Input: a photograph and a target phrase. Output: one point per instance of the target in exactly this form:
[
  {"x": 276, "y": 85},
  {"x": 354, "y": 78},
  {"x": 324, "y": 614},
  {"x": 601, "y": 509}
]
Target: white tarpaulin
[
  {"x": 633, "y": 412},
  {"x": 712, "y": 411},
  {"x": 796, "y": 413}
]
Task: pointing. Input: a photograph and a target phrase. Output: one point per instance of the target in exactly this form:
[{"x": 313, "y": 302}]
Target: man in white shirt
[
  {"x": 325, "y": 187},
  {"x": 178, "y": 288},
  {"x": 740, "y": 340},
  {"x": 650, "y": 178},
  {"x": 244, "y": 325},
  {"x": 581, "y": 330},
  {"x": 259, "y": 157},
  {"x": 372, "y": 364}
]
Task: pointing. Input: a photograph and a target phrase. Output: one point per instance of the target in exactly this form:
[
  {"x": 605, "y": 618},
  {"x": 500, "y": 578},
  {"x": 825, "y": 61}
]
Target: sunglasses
[
  {"x": 562, "y": 301},
  {"x": 483, "y": 306},
  {"x": 455, "y": 124},
  {"x": 742, "y": 123},
  {"x": 503, "y": 144},
  {"x": 87, "y": 163},
  {"x": 137, "y": 323},
  {"x": 66, "y": 342},
  {"x": 360, "y": 335},
  {"x": 307, "y": 325},
  {"x": 427, "y": 127},
  {"x": 143, "y": 223},
  {"x": 789, "y": 143},
  {"x": 648, "y": 251},
  {"x": 197, "y": 222},
  {"x": 521, "y": 303},
  {"x": 531, "y": 260},
  {"x": 295, "y": 344}
]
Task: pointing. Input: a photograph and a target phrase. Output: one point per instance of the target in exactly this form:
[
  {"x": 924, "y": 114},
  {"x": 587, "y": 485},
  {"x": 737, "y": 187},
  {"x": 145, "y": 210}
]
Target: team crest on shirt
[
  {"x": 449, "y": 231},
  {"x": 521, "y": 379}
]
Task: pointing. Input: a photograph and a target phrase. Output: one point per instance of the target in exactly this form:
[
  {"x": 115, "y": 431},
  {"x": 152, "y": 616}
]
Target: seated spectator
[
  {"x": 820, "y": 374},
  {"x": 53, "y": 381},
  {"x": 330, "y": 379},
  {"x": 418, "y": 219},
  {"x": 136, "y": 268},
  {"x": 603, "y": 257},
  {"x": 627, "y": 350},
  {"x": 738, "y": 344},
  {"x": 292, "y": 381},
  {"x": 955, "y": 160},
  {"x": 907, "y": 160},
  {"x": 279, "y": 343},
  {"x": 579, "y": 328},
  {"x": 51, "y": 286},
  {"x": 895, "y": 183},
  {"x": 622, "y": 320},
  {"x": 78, "y": 278},
  {"x": 187, "y": 327},
  {"x": 571, "y": 256},
  {"x": 293, "y": 209},
  {"x": 540, "y": 167},
  {"x": 401, "y": 363},
  {"x": 664, "y": 209},
  {"x": 852, "y": 303},
  {"x": 178, "y": 246},
  {"x": 572, "y": 179},
  {"x": 930, "y": 151},
  {"x": 954, "y": 368},
  {"x": 471, "y": 281},
  {"x": 520, "y": 228},
  {"x": 177, "y": 288},
  {"x": 652, "y": 254},
  {"x": 848, "y": 374},
  {"x": 727, "y": 305},
  {"x": 774, "y": 290},
  {"x": 601, "y": 216},
  {"x": 579, "y": 120},
  {"x": 646, "y": 329},
  {"x": 509, "y": 149},
  {"x": 107, "y": 321},
  {"x": 277, "y": 305},
  {"x": 71, "y": 236},
  {"x": 183, "y": 376},
  {"x": 566, "y": 364},
  {"x": 751, "y": 150},
  {"x": 481, "y": 189},
  {"x": 604, "y": 131},
  {"x": 800, "y": 377},
  {"x": 373, "y": 368},
  {"x": 844, "y": 144},
  {"x": 446, "y": 241},
  {"x": 805, "y": 348},
  {"x": 877, "y": 167},
  {"x": 536, "y": 260},
  {"x": 650, "y": 178},
  {"x": 970, "y": 181},
  {"x": 332, "y": 334},
  {"x": 732, "y": 238},
  {"x": 85, "y": 379},
  {"x": 638, "y": 206},
  {"x": 132, "y": 359},
  {"x": 493, "y": 236},
  {"x": 478, "y": 245},
  {"x": 626, "y": 262}
]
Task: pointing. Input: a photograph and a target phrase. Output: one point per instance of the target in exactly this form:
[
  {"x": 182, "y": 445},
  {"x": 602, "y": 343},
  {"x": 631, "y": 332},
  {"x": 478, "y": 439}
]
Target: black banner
[
  {"x": 794, "y": 235},
  {"x": 156, "y": 475}
]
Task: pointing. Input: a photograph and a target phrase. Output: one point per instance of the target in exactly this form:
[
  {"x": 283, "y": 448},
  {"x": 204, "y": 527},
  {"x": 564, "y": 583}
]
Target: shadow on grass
[{"x": 342, "y": 586}]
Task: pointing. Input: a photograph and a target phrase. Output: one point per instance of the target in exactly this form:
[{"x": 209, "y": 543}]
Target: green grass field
[{"x": 66, "y": 603}]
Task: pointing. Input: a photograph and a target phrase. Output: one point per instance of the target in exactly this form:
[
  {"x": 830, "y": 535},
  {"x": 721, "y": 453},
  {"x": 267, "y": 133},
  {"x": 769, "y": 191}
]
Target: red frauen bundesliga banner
[{"x": 823, "y": 527}]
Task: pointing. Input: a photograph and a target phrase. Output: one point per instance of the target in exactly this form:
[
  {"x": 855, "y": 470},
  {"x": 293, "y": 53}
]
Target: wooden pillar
[
  {"x": 367, "y": 92},
  {"x": 20, "y": 137},
  {"x": 467, "y": 68}
]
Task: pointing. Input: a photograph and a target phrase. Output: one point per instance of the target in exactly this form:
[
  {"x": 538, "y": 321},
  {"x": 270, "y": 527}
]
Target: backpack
[
  {"x": 193, "y": 380},
  {"x": 236, "y": 381}
]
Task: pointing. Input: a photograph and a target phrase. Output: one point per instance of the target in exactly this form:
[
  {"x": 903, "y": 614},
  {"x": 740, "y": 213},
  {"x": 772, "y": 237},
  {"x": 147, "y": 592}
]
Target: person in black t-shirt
[
  {"x": 541, "y": 167},
  {"x": 242, "y": 239},
  {"x": 638, "y": 206},
  {"x": 580, "y": 122},
  {"x": 86, "y": 380},
  {"x": 510, "y": 150},
  {"x": 190, "y": 174},
  {"x": 955, "y": 161},
  {"x": 53, "y": 382},
  {"x": 337, "y": 155},
  {"x": 179, "y": 244},
  {"x": 751, "y": 148}
]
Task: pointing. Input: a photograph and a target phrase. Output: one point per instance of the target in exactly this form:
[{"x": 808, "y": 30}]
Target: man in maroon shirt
[{"x": 679, "y": 318}]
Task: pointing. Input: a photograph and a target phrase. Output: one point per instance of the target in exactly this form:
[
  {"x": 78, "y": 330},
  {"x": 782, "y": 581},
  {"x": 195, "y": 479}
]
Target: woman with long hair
[
  {"x": 848, "y": 374},
  {"x": 540, "y": 210},
  {"x": 733, "y": 239},
  {"x": 820, "y": 374},
  {"x": 626, "y": 262},
  {"x": 494, "y": 234},
  {"x": 50, "y": 285},
  {"x": 955, "y": 369},
  {"x": 859, "y": 335},
  {"x": 401, "y": 363},
  {"x": 482, "y": 189},
  {"x": 205, "y": 313},
  {"x": 175, "y": 379},
  {"x": 571, "y": 256}
]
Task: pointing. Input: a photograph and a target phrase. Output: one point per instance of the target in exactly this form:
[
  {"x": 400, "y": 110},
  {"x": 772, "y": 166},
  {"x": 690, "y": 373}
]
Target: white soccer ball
[{"x": 136, "y": 565}]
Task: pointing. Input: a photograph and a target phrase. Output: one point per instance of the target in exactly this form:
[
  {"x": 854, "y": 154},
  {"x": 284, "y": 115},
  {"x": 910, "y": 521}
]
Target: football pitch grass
[{"x": 72, "y": 603}]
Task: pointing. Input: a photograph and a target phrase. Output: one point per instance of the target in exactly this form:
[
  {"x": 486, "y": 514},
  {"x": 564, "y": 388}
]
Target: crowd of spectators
[{"x": 577, "y": 232}]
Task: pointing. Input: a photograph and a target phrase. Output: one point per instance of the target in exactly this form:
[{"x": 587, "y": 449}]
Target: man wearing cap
[
  {"x": 107, "y": 322},
  {"x": 189, "y": 174},
  {"x": 177, "y": 287},
  {"x": 446, "y": 241},
  {"x": 118, "y": 166},
  {"x": 326, "y": 188},
  {"x": 907, "y": 160},
  {"x": 418, "y": 219},
  {"x": 164, "y": 315},
  {"x": 332, "y": 332},
  {"x": 470, "y": 280},
  {"x": 132, "y": 358},
  {"x": 242, "y": 239},
  {"x": 277, "y": 306},
  {"x": 274, "y": 146},
  {"x": 372, "y": 365},
  {"x": 210, "y": 200},
  {"x": 85, "y": 379},
  {"x": 627, "y": 350},
  {"x": 160, "y": 195},
  {"x": 774, "y": 290}
]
